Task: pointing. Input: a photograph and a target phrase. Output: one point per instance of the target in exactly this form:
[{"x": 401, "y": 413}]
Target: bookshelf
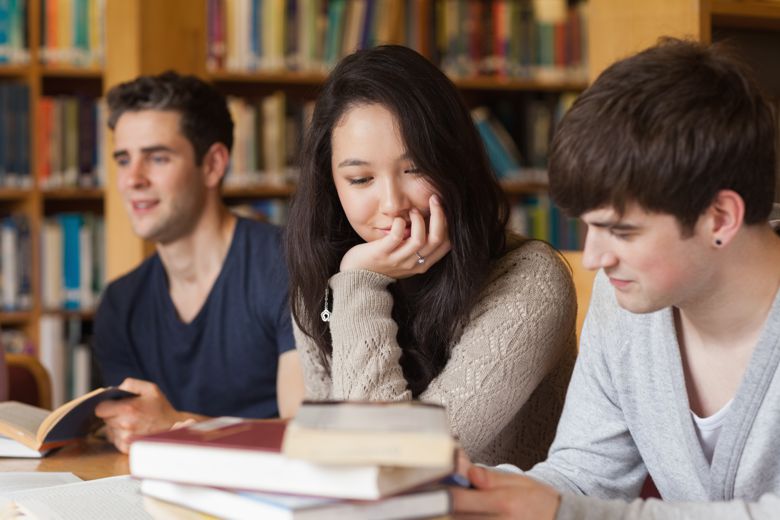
[
  {"x": 25, "y": 63},
  {"x": 527, "y": 69}
]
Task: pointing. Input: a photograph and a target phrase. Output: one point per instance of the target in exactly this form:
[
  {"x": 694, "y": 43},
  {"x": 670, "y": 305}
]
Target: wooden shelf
[
  {"x": 470, "y": 83},
  {"x": 530, "y": 84},
  {"x": 14, "y": 193},
  {"x": 72, "y": 193},
  {"x": 754, "y": 14},
  {"x": 523, "y": 187},
  {"x": 84, "y": 314},
  {"x": 15, "y": 317},
  {"x": 70, "y": 71},
  {"x": 13, "y": 71},
  {"x": 258, "y": 191},
  {"x": 270, "y": 77}
]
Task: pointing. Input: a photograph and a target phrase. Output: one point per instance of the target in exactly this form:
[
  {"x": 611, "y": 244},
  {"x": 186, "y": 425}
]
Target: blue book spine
[
  {"x": 502, "y": 162},
  {"x": 71, "y": 262},
  {"x": 255, "y": 35},
  {"x": 4, "y": 134},
  {"x": 5, "y": 31}
]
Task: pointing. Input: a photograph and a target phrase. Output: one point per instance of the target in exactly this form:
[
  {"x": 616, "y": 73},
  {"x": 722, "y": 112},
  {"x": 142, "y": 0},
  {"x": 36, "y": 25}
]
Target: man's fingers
[
  {"x": 473, "y": 501},
  {"x": 483, "y": 478},
  {"x": 137, "y": 386},
  {"x": 438, "y": 232}
]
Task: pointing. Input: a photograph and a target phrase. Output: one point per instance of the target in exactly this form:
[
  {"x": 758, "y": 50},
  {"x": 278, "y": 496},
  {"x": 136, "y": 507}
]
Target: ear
[
  {"x": 215, "y": 164},
  {"x": 724, "y": 217}
]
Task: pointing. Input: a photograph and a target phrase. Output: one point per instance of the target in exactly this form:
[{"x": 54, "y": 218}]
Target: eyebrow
[
  {"x": 145, "y": 150},
  {"x": 619, "y": 226},
  {"x": 361, "y": 162}
]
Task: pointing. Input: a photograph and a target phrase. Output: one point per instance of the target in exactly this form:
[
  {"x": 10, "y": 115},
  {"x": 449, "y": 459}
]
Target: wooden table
[{"x": 88, "y": 460}]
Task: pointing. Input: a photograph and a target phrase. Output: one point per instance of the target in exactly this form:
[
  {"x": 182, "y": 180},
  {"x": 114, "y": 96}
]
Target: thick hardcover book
[
  {"x": 409, "y": 434},
  {"x": 41, "y": 430},
  {"x": 244, "y": 454}
]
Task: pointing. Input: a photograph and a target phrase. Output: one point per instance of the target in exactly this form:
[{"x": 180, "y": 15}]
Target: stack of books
[{"x": 333, "y": 460}]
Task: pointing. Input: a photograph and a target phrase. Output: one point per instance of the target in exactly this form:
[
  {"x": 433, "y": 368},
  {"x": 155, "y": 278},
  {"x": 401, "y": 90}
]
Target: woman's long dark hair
[{"x": 442, "y": 141}]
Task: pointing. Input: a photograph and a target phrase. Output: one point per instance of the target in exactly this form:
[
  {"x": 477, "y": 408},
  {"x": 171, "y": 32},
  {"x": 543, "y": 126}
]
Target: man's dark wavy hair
[
  {"x": 205, "y": 118},
  {"x": 668, "y": 128}
]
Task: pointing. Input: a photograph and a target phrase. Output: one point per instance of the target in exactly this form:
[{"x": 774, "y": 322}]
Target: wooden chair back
[
  {"x": 28, "y": 380},
  {"x": 583, "y": 284}
]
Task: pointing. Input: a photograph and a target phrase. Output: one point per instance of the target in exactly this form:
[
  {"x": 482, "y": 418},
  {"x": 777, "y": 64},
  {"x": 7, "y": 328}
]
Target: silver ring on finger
[{"x": 420, "y": 258}]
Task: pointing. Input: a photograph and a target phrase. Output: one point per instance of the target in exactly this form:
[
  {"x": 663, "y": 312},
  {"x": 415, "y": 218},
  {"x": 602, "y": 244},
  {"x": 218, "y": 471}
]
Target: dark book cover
[{"x": 229, "y": 433}]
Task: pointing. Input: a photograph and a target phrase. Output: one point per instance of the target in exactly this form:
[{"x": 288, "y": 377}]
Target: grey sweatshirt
[{"x": 627, "y": 415}]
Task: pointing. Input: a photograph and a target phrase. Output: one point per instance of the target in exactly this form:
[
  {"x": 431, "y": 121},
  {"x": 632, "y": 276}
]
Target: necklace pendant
[{"x": 325, "y": 315}]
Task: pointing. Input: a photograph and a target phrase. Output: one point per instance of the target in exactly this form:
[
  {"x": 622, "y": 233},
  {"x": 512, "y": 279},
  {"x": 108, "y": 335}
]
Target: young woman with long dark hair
[{"x": 405, "y": 282}]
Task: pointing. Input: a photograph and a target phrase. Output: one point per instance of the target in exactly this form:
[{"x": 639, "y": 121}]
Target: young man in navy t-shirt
[{"x": 202, "y": 327}]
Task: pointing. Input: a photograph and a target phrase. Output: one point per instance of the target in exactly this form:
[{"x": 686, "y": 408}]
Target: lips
[
  {"x": 617, "y": 283},
  {"x": 141, "y": 206}
]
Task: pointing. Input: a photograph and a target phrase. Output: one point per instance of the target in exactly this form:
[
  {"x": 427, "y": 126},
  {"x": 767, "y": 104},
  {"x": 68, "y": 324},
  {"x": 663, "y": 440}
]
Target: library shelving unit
[
  {"x": 445, "y": 32},
  {"x": 32, "y": 200}
]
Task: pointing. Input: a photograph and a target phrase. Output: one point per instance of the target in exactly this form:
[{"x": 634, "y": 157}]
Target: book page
[
  {"x": 113, "y": 497},
  {"x": 15, "y": 449},
  {"x": 19, "y": 420},
  {"x": 23, "y": 480}
]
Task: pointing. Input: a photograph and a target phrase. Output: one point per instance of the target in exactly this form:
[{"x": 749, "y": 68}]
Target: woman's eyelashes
[{"x": 358, "y": 180}]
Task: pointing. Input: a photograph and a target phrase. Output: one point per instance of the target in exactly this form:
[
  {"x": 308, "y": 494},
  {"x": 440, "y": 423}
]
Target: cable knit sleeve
[{"x": 365, "y": 362}]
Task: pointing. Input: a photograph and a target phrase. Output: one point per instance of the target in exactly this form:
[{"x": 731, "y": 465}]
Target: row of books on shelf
[
  {"x": 517, "y": 134},
  {"x": 466, "y": 37},
  {"x": 536, "y": 216},
  {"x": 72, "y": 261},
  {"x": 70, "y": 148},
  {"x": 15, "y": 263},
  {"x": 73, "y": 32},
  {"x": 64, "y": 349},
  {"x": 268, "y": 132},
  {"x": 15, "y": 135},
  {"x": 13, "y": 32},
  {"x": 274, "y": 211}
]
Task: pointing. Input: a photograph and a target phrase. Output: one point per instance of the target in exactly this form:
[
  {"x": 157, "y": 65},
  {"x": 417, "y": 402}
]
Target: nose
[
  {"x": 132, "y": 175},
  {"x": 394, "y": 201},
  {"x": 597, "y": 254}
]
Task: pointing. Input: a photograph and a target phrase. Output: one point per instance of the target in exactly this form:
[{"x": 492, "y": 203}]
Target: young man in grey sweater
[{"x": 669, "y": 158}]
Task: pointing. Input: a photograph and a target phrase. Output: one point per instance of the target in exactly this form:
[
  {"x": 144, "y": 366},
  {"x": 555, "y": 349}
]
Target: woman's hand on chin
[{"x": 399, "y": 258}]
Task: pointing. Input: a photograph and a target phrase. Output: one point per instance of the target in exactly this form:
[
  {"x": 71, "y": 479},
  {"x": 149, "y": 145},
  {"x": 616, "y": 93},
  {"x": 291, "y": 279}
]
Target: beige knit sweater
[{"x": 505, "y": 381}]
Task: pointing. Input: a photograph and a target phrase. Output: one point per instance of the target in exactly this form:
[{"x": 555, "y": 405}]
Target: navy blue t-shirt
[{"x": 224, "y": 361}]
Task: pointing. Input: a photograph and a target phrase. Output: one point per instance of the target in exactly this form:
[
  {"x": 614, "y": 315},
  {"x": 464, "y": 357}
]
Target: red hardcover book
[{"x": 234, "y": 453}]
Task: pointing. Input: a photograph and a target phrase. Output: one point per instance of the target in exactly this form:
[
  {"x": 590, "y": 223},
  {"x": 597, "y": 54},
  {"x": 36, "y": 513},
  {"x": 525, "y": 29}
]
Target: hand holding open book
[{"x": 33, "y": 431}]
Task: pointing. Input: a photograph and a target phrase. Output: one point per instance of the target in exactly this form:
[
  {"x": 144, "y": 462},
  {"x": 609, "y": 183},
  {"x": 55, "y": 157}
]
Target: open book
[{"x": 39, "y": 430}]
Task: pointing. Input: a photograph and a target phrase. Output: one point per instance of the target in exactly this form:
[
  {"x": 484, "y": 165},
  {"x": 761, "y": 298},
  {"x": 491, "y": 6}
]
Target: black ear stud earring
[{"x": 718, "y": 242}]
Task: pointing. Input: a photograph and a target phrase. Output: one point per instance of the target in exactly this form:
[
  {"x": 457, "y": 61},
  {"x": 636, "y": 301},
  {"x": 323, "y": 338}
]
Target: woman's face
[{"x": 375, "y": 178}]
